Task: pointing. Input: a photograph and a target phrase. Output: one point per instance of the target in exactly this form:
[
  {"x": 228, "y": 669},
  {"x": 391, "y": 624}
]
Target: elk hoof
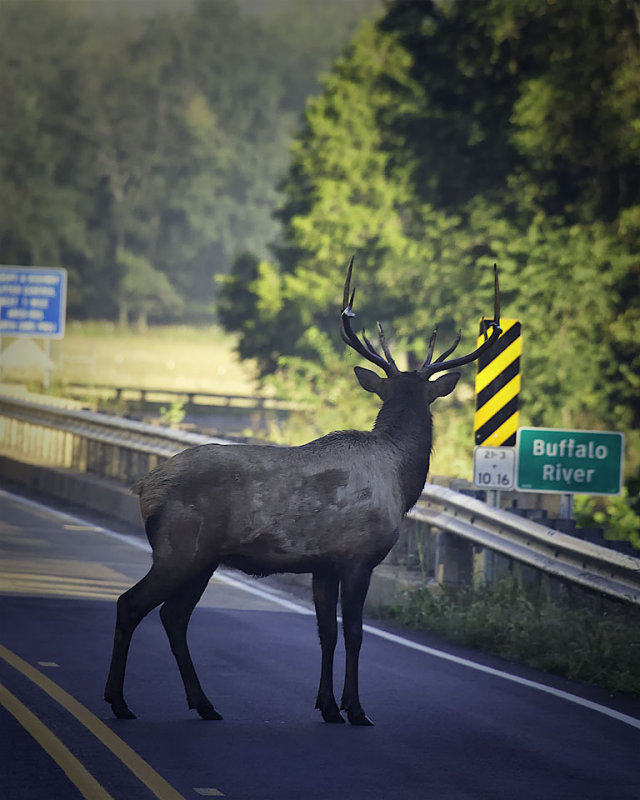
[
  {"x": 360, "y": 719},
  {"x": 330, "y": 711},
  {"x": 207, "y": 711},
  {"x": 122, "y": 710},
  {"x": 332, "y": 715}
]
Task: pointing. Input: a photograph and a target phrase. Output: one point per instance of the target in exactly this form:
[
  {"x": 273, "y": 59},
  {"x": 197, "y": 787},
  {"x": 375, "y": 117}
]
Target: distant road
[{"x": 450, "y": 725}]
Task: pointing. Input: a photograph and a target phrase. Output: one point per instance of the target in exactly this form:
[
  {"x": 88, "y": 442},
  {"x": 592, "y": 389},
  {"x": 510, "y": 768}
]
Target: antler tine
[
  {"x": 346, "y": 302},
  {"x": 347, "y": 310},
  {"x": 366, "y": 350},
  {"x": 432, "y": 344},
  {"x": 369, "y": 345},
  {"x": 448, "y": 352},
  {"x": 385, "y": 348},
  {"x": 441, "y": 363}
]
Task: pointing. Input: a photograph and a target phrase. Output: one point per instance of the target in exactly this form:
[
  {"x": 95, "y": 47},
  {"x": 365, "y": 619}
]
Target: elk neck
[{"x": 405, "y": 422}]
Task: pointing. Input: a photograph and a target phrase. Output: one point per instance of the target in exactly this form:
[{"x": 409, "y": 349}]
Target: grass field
[{"x": 173, "y": 357}]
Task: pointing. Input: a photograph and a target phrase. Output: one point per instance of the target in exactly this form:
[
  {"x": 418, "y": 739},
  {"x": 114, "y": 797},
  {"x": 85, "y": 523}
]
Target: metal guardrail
[
  {"x": 558, "y": 554},
  {"x": 105, "y": 428},
  {"x": 87, "y": 441}
]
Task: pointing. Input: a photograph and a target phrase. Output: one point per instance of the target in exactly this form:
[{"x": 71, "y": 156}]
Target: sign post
[{"x": 569, "y": 462}]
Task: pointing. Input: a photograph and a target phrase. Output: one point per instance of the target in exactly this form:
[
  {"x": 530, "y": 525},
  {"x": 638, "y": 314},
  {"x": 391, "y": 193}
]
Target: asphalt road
[{"x": 450, "y": 725}]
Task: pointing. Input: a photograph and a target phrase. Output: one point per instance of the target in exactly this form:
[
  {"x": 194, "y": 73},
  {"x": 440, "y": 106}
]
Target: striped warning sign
[{"x": 497, "y": 387}]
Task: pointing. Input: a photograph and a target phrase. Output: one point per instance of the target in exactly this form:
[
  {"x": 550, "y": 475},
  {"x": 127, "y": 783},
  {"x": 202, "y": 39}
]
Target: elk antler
[
  {"x": 441, "y": 363},
  {"x": 366, "y": 349}
]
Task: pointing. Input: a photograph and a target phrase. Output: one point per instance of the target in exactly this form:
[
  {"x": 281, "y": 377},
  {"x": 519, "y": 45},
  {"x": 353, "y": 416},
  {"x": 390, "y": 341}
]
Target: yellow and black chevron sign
[{"x": 497, "y": 387}]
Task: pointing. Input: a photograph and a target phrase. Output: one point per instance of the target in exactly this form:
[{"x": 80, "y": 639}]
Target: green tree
[
  {"x": 343, "y": 195},
  {"x": 162, "y": 132},
  {"x": 453, "y": 135},
  {"x": 45, "y": 52},
  {"x": 144, "y": 290}
]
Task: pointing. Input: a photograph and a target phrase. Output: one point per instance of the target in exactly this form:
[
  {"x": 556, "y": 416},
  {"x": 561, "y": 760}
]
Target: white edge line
[{"x": 297, "y": 608}]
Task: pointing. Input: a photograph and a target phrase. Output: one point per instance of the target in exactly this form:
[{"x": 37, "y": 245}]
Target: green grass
[
  {"x": 579, "y": 643},
  {"x": 168, "y": 357}
]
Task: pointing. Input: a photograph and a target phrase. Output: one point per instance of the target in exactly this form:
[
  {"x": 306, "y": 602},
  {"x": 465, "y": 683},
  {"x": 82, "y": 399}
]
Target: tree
[
  {"x": 144, "y": 290},
  {"x": 163, "y": 134},
  {"x": 456, "y": 134},
  {"x": 40, "y": 75},
  {"x": 343, "y": 195}
]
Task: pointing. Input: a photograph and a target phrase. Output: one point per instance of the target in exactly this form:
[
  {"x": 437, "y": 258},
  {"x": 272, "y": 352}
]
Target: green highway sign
[{"x": 570, "y": 462}]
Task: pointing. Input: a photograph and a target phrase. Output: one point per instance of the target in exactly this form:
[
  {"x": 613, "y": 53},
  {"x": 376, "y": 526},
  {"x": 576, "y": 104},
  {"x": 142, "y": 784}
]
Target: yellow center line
[
  {"x": 77, "y": 773},
  {"x": 137, "y": 765}
]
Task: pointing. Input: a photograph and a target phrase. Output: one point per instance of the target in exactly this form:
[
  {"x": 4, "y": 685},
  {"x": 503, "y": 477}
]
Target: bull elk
[{"x": 331, "y": 507}]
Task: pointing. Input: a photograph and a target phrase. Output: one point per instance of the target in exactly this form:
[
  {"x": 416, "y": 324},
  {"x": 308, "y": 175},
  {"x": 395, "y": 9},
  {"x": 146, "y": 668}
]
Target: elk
[{"x": 331, "y": 507}]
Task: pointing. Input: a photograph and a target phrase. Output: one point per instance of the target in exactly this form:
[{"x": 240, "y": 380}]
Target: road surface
[{"x": 450, "y": 724}]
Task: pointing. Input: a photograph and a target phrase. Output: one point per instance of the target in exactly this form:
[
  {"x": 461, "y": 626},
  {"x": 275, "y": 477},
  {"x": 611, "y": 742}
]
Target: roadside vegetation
[{"x": 574, "y": 639}]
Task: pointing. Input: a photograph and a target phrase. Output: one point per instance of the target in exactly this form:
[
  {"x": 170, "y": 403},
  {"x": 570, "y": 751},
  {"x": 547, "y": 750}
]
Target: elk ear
[
  {"x": 444, "y": 385},
  {"x": 370, "y": 381}
]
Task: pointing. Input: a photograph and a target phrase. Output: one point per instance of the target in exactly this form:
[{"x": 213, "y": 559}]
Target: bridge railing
[
  {"x": 190, "y": 397},
  {"x": 469, "y": 534},
  {"x": 88, "y": 441}
]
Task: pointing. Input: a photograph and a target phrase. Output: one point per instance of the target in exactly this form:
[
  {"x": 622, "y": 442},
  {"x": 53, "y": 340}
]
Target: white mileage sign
[{"x": 494, "y": 467}]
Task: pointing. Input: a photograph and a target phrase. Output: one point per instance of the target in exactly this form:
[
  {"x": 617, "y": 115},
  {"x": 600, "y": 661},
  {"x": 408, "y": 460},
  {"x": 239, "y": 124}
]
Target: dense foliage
[
  {"x": 450, "y": 136},
  {"x": 142, "y": 143}
]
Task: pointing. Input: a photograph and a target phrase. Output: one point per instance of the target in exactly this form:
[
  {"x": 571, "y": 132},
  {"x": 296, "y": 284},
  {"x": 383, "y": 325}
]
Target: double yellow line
[{"x": 73, "y": 768}]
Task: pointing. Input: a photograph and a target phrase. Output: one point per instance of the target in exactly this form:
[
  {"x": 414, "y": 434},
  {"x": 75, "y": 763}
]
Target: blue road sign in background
[{"x": 33, "y": 302}]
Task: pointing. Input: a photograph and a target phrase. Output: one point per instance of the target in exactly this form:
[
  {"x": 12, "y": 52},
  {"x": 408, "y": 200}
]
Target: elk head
[{"x": 372, "y": 382}]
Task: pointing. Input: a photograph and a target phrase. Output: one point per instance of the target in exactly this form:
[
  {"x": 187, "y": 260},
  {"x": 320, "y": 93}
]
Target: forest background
[{"x": 221, "y": 160}]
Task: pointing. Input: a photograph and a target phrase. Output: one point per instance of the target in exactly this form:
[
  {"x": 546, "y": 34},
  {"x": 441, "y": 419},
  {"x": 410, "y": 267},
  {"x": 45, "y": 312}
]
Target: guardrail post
[
  {"x": 484, "y": 566},
  {"x": 566, "y": 506},
  {"x": 454, "y": 559},
  {"x": 79, "y": 454}
]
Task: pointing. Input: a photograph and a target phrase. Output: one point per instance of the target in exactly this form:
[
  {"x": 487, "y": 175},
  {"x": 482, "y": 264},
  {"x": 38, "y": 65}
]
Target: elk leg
[
  {"x": 354, "y": 586},
  {"x": 325, "y": 597},
  {"x": 175, "y": 615},
  {"x": 132, "y": 607}
]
